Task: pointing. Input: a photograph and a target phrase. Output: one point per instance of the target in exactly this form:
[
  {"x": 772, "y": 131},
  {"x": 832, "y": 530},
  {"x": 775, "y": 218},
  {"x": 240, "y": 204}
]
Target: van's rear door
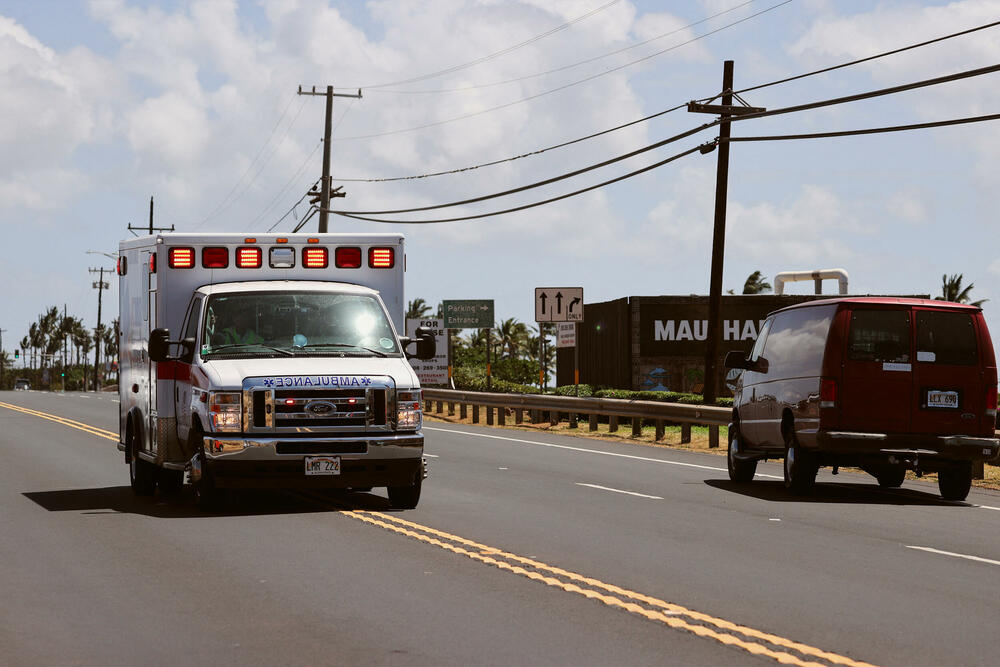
[
  {"x": 949, "y": 392},
  {"x": 877, "y": 370}
]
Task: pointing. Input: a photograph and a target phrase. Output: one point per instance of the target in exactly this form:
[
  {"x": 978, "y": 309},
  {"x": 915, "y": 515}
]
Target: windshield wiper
[
  {"x": 378, "y": 353},
  {"x": 231, "y": 346}
]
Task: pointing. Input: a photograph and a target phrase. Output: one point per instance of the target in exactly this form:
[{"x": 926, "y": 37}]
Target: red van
[{"x": 883, "y": 384}]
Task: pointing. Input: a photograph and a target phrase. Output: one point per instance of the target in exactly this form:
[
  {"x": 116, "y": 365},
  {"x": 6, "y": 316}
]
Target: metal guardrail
[{"x": 572, "y": 406}]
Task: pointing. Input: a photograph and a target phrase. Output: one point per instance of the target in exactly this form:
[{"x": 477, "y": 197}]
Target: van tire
[
  {"x": 891, "y": 477},
  {"x": 170, "y": 481},
  {"x": 739, "y": 470},
  {"x": 405, "y": 497},
  {"x": 800, "y": 467},
  {"x": 141, "y": 473},
  {"x": 955, "y": 483}
]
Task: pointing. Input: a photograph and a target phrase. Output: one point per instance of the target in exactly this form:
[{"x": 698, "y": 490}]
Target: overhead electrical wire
[
  {"x": 571, "y": 65},
  {"x": 661, "y": 113},
  {"x": 495, "y": 54},
  {"x": 874, "y": 130},
  {"x": 289, "y": 211},
  {"x": 774, "y": 112},
  {"x": 702, "y": 148},
  {"x": 563, "y": 87}
]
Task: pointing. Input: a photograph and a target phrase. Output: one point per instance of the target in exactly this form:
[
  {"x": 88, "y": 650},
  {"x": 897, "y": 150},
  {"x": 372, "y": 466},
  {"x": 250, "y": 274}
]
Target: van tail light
[
  {"x": 991, "y": 395},
  {"x": 827, "y": 393},
  {"x": 381, "y": 258}
]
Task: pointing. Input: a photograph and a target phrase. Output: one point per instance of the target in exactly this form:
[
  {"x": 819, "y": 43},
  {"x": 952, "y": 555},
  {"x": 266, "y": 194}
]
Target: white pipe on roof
[{"x": 817, "y": 276}]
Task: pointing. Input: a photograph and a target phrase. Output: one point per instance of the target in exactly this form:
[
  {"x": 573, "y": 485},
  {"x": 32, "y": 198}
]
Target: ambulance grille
[{"x": 311, "y": 408}]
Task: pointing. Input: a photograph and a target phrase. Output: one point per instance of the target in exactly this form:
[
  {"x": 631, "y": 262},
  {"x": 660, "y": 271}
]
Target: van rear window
[
  {"x": 880, "y": 335},
  {"x": 946, "y": 338}
]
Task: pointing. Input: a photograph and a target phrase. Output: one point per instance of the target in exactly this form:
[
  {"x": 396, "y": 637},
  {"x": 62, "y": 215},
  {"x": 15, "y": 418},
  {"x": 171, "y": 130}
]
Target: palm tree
[
  {"x": 513, "y": 337},
  {"x": 37, "y": 341},
  {"x": 417, "y": 309},
  {"x": 25, "y": 345},
  {"x": 952, "y": 290},
  {"x": 755, "y": 284}
]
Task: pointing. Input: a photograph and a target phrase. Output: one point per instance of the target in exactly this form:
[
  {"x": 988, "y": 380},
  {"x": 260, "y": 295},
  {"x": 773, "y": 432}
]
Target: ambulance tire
[
  {"x": 207, "y": 496},
  {"x": 405, "y": 497},
  {"x": 141, "y": 474},
  {"x": 170, "y": 481}
]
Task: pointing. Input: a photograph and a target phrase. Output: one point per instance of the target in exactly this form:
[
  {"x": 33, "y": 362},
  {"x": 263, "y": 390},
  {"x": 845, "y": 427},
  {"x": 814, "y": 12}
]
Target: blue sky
[{"x": 109, "y": 102}]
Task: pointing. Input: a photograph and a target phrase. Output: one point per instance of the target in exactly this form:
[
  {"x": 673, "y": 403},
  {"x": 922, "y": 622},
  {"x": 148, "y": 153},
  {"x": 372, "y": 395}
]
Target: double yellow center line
[{"x": 672, "y": 615}]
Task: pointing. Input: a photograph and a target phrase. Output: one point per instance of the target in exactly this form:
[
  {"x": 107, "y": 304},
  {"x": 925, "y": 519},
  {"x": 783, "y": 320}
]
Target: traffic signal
[{"x": 17, "y": 354}]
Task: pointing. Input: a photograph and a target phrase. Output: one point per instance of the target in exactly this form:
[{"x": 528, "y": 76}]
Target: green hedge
[{"x": 664, "y": 396}]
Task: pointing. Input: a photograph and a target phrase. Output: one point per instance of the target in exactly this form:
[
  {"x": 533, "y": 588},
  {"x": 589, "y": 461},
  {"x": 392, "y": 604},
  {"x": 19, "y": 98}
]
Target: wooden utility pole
[
  {"x": 726, "y": 110},
  {"x": 151, "y": 227},
  {"x": 325, "y": 182}
]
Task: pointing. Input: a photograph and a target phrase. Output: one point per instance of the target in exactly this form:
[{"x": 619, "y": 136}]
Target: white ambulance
[{"x": 268, "y": 361}]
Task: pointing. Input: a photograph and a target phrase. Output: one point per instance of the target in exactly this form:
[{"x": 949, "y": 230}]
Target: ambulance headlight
[
  {"x": 408, "y": 412},
  {"x": 224, "y": 410}
]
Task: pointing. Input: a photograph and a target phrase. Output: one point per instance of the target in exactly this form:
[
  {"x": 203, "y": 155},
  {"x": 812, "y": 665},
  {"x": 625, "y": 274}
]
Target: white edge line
[
  {"x": 431, "y": 456},
  {"x": 955, "y": 555},
  {"x": 589, "y": 451},
  {"x": 628, "y": 493}
]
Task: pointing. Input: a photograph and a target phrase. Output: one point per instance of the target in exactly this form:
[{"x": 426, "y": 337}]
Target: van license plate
[
  {"x": 322, "y": 465},
  {"x": 942, "y": 399}
]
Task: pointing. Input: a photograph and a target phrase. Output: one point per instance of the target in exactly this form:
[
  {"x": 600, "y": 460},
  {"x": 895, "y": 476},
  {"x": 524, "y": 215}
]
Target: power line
[
  {"x": 495, "y": 54},
  {"x": 289, "y": 211},
  {"x": 704, "y": 148},
  {"x": 563, "y": 87},
  {"x": 875, "y": 130},
  {"x": 571, "y": 65},
  {"x": 774, "y": 112},
  {"x": 874, "y": 57},
  {"x": 660, "y": 113},
  {"x": 516, "y": 157}
]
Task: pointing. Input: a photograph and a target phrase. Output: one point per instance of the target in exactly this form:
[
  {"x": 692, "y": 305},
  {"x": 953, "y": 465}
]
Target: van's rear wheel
[
  {"x": 141, "y": 474},
  {"x": 954, "y": 483},
  {"x": 800, "y": 467},
  {"x": 891, "y": 478},
  {"x": 739, "y": 470}
]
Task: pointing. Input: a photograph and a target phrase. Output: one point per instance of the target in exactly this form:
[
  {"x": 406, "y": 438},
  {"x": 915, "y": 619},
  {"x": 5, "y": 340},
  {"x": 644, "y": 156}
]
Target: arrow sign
[{"x": 549, "y": 303}]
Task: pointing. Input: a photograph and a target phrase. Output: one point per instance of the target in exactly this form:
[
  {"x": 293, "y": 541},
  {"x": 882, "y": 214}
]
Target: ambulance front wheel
[{"x": 405, "y": 497}]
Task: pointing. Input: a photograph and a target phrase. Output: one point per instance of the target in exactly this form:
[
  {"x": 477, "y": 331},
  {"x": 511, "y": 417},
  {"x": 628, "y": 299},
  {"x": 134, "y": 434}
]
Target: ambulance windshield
[{"x": 265, "y": 324}]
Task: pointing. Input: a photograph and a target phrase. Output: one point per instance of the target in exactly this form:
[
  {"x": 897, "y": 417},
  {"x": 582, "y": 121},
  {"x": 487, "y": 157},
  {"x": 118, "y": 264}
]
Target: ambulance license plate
[
  {"x": 942, "y": 399},
  {"x": 322, "y": 465}
]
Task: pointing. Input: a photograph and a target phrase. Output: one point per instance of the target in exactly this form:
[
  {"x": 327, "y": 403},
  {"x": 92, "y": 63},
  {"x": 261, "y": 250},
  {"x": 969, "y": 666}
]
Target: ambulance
[{"x": 268, "y": 362}]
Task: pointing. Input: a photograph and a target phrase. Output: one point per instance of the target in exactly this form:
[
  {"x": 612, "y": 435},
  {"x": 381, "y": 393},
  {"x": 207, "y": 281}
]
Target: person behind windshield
[{"x": 240, "y": 331}]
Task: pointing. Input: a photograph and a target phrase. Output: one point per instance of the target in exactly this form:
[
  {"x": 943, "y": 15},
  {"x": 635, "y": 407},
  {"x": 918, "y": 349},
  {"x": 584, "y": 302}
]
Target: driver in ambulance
[{"x": 240, "y": 330}]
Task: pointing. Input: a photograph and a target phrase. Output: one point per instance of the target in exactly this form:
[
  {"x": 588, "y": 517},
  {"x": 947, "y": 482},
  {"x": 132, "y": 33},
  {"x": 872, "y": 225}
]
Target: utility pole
[
  {"x": 1, "y": 357},
  {"x": 325, "y": 182},
  {"x": 151, "y": 227},
  {"x": 100, "y": 286},
  {"x": 726, "y": 110}
]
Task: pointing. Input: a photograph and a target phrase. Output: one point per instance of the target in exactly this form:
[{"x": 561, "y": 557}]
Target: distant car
[{"x": 21, "y": 384}]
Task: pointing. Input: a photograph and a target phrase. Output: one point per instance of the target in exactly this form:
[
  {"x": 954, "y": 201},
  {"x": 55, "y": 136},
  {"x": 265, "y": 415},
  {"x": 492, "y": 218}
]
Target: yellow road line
[
  {"x": 667, "y": 613},
  {"x": 87, "y": 428}
]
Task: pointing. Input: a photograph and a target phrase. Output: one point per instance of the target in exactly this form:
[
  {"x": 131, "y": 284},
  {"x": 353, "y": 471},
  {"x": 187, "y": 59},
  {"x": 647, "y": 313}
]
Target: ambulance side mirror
[
  {"x": 159, "y": 344},
  {"x": 426, "y": 344}
]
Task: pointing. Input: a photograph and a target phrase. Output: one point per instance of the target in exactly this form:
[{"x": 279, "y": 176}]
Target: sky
[{"x": 110, "y": 102}]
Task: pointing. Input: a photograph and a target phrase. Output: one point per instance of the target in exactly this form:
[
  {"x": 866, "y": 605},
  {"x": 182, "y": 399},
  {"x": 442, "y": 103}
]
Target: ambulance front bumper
[{"x": 222, "y": 447}]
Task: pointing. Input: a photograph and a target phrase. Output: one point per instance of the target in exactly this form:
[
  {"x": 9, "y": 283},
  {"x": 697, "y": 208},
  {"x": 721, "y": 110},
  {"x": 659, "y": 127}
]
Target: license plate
[
  {"x": 322, "y": 465},
  {"x": 942, "y": 399}
]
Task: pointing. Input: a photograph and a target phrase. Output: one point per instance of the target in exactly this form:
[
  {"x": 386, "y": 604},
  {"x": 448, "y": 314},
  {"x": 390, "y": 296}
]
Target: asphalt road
[{"x": 525, "y": 549}]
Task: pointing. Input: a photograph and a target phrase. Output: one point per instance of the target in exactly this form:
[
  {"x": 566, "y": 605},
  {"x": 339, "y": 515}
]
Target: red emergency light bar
[
  {"x": 381, "y": 258},
  {"x": 347, "y": 258},
  {"x": 152, "y": 262},
  {"x": 181, "y": 258},
  {"x": 216, "y": 257},
  {"x": 249, "y": 258},
  {"x": 315, "y": 258}
]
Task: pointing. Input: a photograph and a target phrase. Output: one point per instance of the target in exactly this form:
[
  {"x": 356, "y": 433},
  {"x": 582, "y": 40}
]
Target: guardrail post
[
  {"x": 502, "y": 416},
  {"x": 659, "y": 430},
  {"x": 463, "y": 411},
  {"x": 613, "y": 424},
  {"x": 978, "y": 470},
  {"x": 489, "y": 415},
  {"x": 518, "y": 415},
  {"x": 536, "y": 416},
  {"x": 593, "y": 422},
  {"x": 451, "y": 409},
  {"x": 572, "y": 419},
  {"x": 636, "y": 427},
  {"x": 685, "y": 434},
  {"x": 440, "y": 407},
  {"x": 713, "y": 437},
  {"x": 475, "y": 413},
  {"x": 554, "y": 417}
]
